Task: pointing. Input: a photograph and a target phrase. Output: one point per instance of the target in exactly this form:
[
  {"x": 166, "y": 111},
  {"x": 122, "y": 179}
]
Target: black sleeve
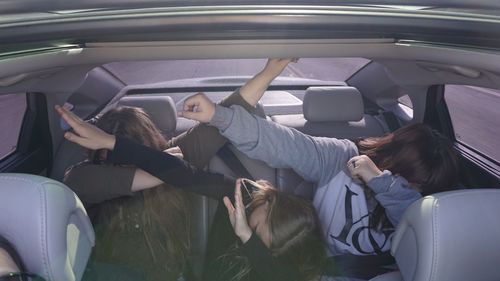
[
  {"x": 170, "y": 169},
  {"x": 265, "y": 265}
]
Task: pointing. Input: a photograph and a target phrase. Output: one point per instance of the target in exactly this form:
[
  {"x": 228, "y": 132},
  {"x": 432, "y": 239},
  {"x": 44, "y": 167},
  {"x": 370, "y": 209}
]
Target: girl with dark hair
[
  {"x": 363, "y": 187},
  {"x": 154, "y": 221},
  {"x": 272, "y": 245}
]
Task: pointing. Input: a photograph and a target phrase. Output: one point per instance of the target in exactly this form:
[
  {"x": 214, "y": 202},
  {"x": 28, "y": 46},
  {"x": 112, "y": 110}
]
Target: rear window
[
  {"x": 12, "y": 110},
  {"x": 145, "y": 72},
  {"x": 474, "y": 113}
]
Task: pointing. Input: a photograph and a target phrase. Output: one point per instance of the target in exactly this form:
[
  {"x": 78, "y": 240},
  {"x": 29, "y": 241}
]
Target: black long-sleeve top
[{"x": 181, "y": 174}]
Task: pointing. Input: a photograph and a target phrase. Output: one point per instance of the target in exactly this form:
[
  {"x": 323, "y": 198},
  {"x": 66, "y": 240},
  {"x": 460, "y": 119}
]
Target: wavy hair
[
  {"x": 294, "y": 229},
  {"x": 164, "y": 216},
  {"x": 421, "y": 155}
]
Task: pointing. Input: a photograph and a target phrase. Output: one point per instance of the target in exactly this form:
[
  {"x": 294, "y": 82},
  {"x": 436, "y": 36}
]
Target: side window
[
  {"x": 474, "y": 114},
  {"x": 404, "y": 108},
  {"x": 12, "y": 111},
  {"x": 406, "y": 101}
]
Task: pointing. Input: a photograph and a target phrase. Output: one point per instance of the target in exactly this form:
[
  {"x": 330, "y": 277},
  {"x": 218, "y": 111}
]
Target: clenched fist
[{"x": 198, "y": 107}]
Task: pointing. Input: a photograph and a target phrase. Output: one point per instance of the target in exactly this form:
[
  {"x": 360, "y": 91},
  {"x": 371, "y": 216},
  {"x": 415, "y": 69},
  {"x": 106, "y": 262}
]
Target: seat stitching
[{"x": 434, "y": 238}]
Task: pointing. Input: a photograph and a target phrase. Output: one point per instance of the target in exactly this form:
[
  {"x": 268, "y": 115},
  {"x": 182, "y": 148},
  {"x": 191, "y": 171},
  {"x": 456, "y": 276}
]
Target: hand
[
  {"x": 175, "y": 151},
  {"x": 363, "y": 168},
  {"x": 85, "y": 134},
  {"x": 237, "y": 214},
  {"x": 275, "y": 66},
  {"x": 199, "y": 108}
]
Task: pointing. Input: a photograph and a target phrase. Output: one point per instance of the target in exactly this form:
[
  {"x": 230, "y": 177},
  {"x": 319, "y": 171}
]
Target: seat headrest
[
  {"x": 450, "y": 236},
  {"x": 338, "y": 104},
  {"x": 47, "y": 225},
  {"x": 161, "y": 109}
]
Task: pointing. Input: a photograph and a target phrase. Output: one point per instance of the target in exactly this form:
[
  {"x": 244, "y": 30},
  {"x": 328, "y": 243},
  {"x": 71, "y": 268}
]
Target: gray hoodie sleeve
[
  {"x": 394, "y": 194},
  {"x": 316, "y": 159}
]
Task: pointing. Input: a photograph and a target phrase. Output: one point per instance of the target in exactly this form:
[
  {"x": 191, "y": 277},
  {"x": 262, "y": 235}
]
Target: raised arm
[
  {"x": 315, "y": 159},
  {"x": 200, "y": 143},
  {"x": 255, "y": 88}
]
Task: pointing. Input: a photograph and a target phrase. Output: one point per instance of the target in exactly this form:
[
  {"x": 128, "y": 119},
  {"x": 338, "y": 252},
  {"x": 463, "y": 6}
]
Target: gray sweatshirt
[{"x": 340, "y": 201}]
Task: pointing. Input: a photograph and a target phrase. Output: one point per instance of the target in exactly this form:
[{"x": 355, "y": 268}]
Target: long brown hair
[
  {"x": 294, "y": 229},
  {"x": 418, "y": 153},
  {"x": 164, "y": 216}
]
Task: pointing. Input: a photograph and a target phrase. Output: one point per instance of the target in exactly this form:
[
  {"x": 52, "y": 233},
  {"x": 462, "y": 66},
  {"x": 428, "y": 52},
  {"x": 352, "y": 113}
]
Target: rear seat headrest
[
  {"x": 323, "y": 104},
  {"x": 161, "y": 109}
]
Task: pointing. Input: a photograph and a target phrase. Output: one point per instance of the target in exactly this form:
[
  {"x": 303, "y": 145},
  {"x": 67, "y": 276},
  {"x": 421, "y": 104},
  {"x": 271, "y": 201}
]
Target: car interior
[{"x": 446, "y": 236}]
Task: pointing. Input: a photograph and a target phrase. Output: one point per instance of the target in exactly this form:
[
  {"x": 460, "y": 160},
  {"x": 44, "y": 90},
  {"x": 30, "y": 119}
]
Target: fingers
[
  {"x": 353, "y": 165},
  {"x": 68, "y": 116},
  {"x": 191, "y": 103},
  {"x": 174, "y": 150},
  {"x": 199, "y": 108},
  {"x": 238, "y": 201},
  {"x": 353, "y": 162},
  {"x": 190, "y": 115},
  {"x": 228, "y": 204},
  {"x": 75, "y": 138}
]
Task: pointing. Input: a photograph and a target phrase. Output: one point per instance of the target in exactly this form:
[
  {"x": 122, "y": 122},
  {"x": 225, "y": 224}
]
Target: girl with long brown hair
[
  {"x": 363, "y": 187},
  {"x": 146, "y": 232}
]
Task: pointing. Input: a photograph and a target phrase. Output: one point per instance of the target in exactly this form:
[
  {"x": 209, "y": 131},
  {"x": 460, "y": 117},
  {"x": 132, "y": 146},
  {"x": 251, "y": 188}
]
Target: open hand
[
  {"x": 363, "y": 168},
  {"x": 276, "y": 66},
  {"x": 85, "y": 134},
  {"x": 237, "y": 214},
  {"x": 198, "y": 107}
]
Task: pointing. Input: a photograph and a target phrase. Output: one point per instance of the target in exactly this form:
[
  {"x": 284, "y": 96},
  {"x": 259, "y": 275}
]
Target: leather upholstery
[
  {"x": 47, "y": 224},
  {"x": 450, "y": 236},
  {"x": 366, "y": 127}
]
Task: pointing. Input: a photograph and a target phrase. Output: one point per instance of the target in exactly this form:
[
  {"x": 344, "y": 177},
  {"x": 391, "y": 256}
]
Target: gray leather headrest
[
  {"x": 47, "y": 224},
  {"x": 161, "y": 109},
  {"x": 324, "y": 104},
  {"x": 450, "y": 236}
]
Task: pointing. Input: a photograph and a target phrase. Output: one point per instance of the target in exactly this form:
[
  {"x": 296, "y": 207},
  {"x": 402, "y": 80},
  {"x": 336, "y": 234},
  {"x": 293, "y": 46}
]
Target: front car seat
[
  {"x": 47, "y": 225},
  {"x": 449, "y": 236}
]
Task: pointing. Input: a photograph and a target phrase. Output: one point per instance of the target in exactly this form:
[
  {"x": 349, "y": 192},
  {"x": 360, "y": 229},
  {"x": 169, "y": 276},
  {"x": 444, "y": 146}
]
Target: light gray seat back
[
  {"x": 47, "y": 224},
  {"x": 161, "y": 109},
  {"x": 333, "y": 112},
  {"x": 450, "y": 236}
]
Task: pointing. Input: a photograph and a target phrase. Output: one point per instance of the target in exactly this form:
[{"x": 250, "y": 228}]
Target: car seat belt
[
  {"x": 233, "y": 163},
  {"x": 391, "y": 120}
]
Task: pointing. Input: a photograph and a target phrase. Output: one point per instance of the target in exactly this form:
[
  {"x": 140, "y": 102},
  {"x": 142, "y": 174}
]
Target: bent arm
[
  {"x": 170, "y": 169},
  {"x": 97, "y": 183},
  {"x": 314, "y": 158},
  {"x": 201, "y": 142},
  {"x": 394, "y": 194}
]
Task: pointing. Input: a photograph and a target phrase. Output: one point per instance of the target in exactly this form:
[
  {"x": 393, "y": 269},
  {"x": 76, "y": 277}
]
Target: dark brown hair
[
  {"x": 163, "y": 210},
  {"x": 294, "y": 230},
  {"x": 421, "y": 155}
]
